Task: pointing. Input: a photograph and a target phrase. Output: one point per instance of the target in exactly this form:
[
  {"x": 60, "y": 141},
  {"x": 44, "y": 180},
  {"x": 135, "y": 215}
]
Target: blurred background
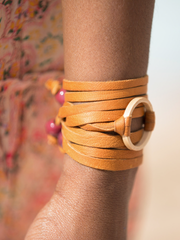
[
  {"x": 160, "y": 209},
  {"x": 31, "y": 52}
]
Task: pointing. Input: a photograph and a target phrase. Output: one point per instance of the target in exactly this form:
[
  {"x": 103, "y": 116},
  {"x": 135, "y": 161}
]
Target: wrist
[{"x": 97, "y": 198}]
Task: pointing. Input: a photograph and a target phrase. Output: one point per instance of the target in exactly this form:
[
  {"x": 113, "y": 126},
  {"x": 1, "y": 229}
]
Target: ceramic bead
[
  {"x": 52, "y": 128},
  {"x": 60, "y": 96}
]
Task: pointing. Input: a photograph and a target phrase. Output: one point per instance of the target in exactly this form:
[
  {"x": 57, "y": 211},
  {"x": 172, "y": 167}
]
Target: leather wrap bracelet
[{"x": 96, "y": 122}]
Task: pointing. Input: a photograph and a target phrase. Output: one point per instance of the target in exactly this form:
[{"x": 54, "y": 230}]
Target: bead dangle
[{"x": 53, "y": 126}]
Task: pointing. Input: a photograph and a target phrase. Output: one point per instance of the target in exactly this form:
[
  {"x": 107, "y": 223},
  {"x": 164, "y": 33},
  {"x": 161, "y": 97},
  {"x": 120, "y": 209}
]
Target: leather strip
[
  {"x": 101, "y": 163},
  {"x": 97, "y": 139},
  {"x": 99, "y": 117},
  {"x": 107, "y": 153},
  {"x": 69, "y": 109},
  {"x": 149, "y": 121},
  {"x": 104, "y": 95},
  {"x": 104, "y": 86}
]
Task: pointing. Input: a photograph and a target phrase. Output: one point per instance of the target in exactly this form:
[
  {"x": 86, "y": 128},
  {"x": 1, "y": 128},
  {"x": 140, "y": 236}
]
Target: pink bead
[
  {"x": 52, "y": 129},
  {"x": 60, "y": 139},
  {"x": 60, "y": 96}
]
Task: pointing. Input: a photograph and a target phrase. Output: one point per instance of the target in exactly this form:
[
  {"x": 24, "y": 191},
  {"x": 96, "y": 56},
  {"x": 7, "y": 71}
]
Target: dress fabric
[{"x": 31, "y": 52}]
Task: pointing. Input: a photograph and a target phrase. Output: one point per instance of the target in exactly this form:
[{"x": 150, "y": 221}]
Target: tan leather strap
[
  {"x": 53, "y": 85},
  {"x": 92, "y": 129},
  {"x": 149, "y": 121}
]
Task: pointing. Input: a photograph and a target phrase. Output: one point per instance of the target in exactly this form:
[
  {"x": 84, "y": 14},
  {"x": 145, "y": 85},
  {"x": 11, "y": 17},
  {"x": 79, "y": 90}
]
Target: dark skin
[{"x": 103, "y": 40}]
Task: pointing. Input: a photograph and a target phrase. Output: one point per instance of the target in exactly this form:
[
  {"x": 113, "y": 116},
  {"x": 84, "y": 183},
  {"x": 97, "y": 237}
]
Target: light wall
[{"x": 160, "y": 218}]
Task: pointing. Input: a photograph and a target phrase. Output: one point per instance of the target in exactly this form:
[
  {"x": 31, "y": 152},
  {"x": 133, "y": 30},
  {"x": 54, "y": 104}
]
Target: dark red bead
[
  {"x": 60, "y": 96},
  {"x": 52, "y": 128}
]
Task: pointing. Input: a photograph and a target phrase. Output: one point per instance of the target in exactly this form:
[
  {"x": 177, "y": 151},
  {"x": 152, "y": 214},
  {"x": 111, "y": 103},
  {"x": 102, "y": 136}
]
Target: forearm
[
  {"x": 96, "y": 201},
  {"x": 104, "y": 40}
]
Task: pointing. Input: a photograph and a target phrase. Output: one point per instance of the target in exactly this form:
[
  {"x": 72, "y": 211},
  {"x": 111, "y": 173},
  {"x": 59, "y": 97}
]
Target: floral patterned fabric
[
  {"x": 31, "y": 37},
  {"x": 31, "y": 52},
  {"x": 29, "y": 167}
]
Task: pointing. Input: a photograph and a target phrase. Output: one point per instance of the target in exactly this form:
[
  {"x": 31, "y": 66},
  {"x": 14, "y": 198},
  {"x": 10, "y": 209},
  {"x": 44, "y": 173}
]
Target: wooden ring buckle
[{"x": 128, "y": 114}]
